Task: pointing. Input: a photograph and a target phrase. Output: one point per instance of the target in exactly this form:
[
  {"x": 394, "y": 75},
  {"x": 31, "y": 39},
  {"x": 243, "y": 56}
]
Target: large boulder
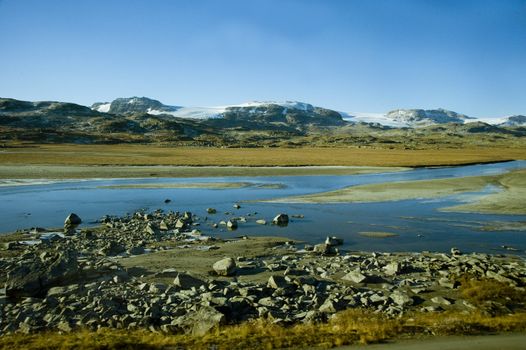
[
  {"x": 281, "y": 220},
  {"x": 186, "y": 281},
  {"x": 202, "y": 321},
  {"x": 35, "y": 278},
  {"x": 225, "y": 267},
  {"x": 71, "y": 223}
]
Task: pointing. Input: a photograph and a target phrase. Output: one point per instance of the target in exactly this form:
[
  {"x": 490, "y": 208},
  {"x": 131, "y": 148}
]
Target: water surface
[{"x": 418, "y": 223}]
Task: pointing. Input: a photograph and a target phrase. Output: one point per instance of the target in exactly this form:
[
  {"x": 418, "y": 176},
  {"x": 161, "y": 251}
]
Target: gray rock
[
  {"x": 447, "y": 283},
  {"x": 211, "y": 210},
  {"x": 440, "y": 300},
  {"x": 186, "y": 281},
  {"x": 37, "y": 277},
  {"x": 333, "y": 241},
  {"x": 324, "y": 249},
  {"x": 204, "y": 320},
  {"x": 455, "y": 252},
  {"x": 355, "y": 276},
  {"x": 225, "y": 267},
  {"x": 72, "y": 220},
  {"x": 393, "y": 268},
  {"x": 231, "y": 224},
  {"x": 276, "y": 282},
  {"x": 281, "y": 220},
  {"x": 261, "y": 222},
  {"x": 400, "y": 298}
]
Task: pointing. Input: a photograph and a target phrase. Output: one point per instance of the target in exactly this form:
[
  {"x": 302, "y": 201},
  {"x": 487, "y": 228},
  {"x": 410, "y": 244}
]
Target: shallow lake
[{"x": 418, "y": 223}]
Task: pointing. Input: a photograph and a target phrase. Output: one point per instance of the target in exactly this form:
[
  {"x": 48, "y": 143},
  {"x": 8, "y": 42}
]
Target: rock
[
  {"x": 11, "y": 245},
  {"x": 181, "y": 223},
  {"x": 400, "y": 298},
  {"x": 333, "y": 241},
  {"x": 203, "y": 321},
  {"x": 500, "y": 278},
  {"x": 157, "y": 288},
  {"x": 236, "y": 206},
  {"x": 71, "y": 223},
  {"x": 225, "y": 267},
  {"x": 355, "y": 276},
  {"x": 136, "y": 250},
  {"x": 72, "y": 220},
  {"x": 325, "y": 249},
  {"x": 276, "y": 282},
  {"x": 211, "y": 211},
  {"x": 186, "y": 281},
  {"x": 261, "y": 222},
  {"x": 455, "y": 252},
  {"x": 35, "y": 278},
  {"x": 447, "y": 283},
  {"x": 281, "y": 220},
  {"x": 163, "y": 226},
  {"x": 231, "y": 224},
  {"x": 440, "y": 300},
  {"x": 393, "y": 268},
  {"x": 112, "y": 248}
]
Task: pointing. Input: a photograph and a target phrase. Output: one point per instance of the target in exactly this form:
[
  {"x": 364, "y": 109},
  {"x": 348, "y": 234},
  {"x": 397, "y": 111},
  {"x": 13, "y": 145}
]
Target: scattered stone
[
  {"x": 261, "y": 222},
  {"x": 440, "y": 300},
  {"x": 186, "y": 281},
  {"x": 225, "y": 267},
  {"x": 211, "y": 210},
  {"x": 400, "y": 298},
  {"x": 355, "y": 276},
  {"x": 393, "y": 268}
]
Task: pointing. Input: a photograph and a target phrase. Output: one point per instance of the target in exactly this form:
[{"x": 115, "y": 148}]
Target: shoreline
[
  {"x": 508, "y": 200},
  {"x": 94, "y": 172},
  {"x": 141, "y": 262}
]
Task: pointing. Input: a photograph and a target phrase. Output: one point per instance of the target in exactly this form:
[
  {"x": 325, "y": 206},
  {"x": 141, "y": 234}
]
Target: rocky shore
[{"x": 157, "y": 271}]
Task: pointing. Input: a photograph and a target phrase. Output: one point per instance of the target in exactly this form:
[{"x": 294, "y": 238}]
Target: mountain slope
[
  {"x": 131, "y": 105},
  {"x": 423, "y": 117}
]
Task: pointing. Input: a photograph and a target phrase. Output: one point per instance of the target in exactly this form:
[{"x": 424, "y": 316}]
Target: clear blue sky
[{"x": 349, "y": 55}]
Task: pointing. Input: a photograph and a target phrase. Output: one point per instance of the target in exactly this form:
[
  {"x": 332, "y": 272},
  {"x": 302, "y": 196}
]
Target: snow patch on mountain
[{"x": 103, "y": 107}]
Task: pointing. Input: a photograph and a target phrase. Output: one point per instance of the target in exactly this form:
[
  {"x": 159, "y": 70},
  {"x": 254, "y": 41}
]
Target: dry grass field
[
  {"x": 354, "y": 326},
  {"x": 123, "y": 154}
]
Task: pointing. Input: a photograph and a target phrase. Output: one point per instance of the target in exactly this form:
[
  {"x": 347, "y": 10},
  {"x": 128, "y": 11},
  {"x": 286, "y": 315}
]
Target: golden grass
[
  {"x": 480, "y": 291},
  {"x": 348, "y": 327},
  {"x": 122, "y": 154}
]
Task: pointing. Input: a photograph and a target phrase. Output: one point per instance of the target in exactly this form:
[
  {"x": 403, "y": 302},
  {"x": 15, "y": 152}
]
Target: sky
[{"x": 350, "y": 55}]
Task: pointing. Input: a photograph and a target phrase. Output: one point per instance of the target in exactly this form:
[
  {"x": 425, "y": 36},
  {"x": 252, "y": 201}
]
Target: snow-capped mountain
[
  {"x": 289, "y": 111},
  {"x": 514, "y": 120},
  {"x": 424, "y": 117},
  {"x": 132, "y": 105}
]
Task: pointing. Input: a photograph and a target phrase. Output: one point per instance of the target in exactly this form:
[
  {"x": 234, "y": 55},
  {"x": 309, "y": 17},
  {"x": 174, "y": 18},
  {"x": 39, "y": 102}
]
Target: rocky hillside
[
  {"x": 132, "y": 105},
  {"x": 423, "y": 117},
  {"x": 254, "y": 124},
  {"x": 514, "y": 120}
]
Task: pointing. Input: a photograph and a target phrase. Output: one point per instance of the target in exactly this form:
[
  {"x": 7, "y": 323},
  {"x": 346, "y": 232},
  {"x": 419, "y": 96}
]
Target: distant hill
[
  {"x": 291, "y": 115},
  {"x": 423, "y": 117},
  {"x": 514, "y": 120},
  {"x": 253, "y": 124},
  {"x": 131, "y": 105}
]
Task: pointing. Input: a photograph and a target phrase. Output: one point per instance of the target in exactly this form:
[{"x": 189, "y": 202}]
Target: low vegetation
[
  {"x": 122, "y": 154},
  {"x": 348, "y": 327}
]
